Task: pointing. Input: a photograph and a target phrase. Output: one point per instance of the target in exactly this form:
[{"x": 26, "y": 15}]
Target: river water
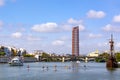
[{"x": 58, "y": 71}]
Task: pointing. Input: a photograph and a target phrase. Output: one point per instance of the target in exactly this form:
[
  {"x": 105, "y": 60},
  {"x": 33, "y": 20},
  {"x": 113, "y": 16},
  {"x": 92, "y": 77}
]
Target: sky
[{"x": 47, "y": 24}]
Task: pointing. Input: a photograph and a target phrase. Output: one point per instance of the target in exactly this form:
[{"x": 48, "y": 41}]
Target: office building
[{"x": 75, "y": 41}]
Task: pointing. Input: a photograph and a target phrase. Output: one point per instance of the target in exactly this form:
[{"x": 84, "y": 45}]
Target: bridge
[
  {"x": 80, "y": 58},
  {"x": 68, "y": 58}
]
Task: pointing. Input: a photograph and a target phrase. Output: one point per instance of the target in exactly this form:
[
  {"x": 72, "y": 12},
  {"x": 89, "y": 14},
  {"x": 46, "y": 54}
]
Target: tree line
[{"x": 105, "y": 56}]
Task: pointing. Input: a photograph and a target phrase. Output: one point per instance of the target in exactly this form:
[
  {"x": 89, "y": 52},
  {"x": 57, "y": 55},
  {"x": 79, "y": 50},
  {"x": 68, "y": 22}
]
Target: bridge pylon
[
  {"x": 75, "y": 58},
  {"x": 63, "y": 59},
  {"x": 86, "y": 59}
]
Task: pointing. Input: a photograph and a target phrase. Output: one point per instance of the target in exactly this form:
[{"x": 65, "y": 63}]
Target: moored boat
[
  {"x": 77, "y": 61},
  {"x": 16, "y": 61}
]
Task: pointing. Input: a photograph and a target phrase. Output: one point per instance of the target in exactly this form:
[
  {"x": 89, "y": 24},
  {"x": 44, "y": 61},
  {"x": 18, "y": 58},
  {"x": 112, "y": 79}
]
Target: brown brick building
[{"x": 75, "y": 41}]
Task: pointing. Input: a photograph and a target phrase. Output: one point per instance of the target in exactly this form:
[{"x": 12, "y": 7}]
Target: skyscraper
[{"x": 75, "y": 41}]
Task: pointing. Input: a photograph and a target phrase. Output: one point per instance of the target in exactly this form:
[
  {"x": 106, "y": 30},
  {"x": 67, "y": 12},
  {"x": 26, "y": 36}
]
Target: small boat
[
  {"x": 77, "y": 61},
  {"x": 16, "y": 61},
  {"x": 118, "y": 64}
]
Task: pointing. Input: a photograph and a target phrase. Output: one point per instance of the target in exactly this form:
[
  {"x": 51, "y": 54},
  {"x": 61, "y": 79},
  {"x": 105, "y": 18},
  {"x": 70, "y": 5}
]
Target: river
[{"x": 58, "y": 71}]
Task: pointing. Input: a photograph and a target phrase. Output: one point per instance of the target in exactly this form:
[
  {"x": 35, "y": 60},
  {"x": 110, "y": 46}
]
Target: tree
[
  {"x": 102, "y": 57},
  {"x": 117, "y": 55},
  {"x": 45, "y": 55},
  {"x": 2, "y": 53}
]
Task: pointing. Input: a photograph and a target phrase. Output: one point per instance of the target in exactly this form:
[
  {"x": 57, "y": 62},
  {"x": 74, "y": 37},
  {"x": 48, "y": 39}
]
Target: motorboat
[
  {"x": 16, "y": 61},
  {"x": 77, "y": 61}
]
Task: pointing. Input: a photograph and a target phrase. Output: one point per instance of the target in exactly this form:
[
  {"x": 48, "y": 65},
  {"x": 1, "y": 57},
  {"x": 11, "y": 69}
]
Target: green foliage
[
  {"x": 45, "y": 55},
  {"x": 117, "y": 55},
  {"x": 47, "y": 58},
  {"x": 2, "y": 53},
  {"x": 102, "y": 57},
  {"x": 105, "y": 56}
]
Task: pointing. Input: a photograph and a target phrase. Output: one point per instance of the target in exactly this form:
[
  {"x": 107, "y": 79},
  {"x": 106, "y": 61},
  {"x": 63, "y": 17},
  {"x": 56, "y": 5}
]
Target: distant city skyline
[{"x": 47, "y": 24}]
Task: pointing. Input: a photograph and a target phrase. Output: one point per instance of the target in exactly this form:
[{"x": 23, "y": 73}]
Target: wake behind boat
[{"x": 16, "y": 61}]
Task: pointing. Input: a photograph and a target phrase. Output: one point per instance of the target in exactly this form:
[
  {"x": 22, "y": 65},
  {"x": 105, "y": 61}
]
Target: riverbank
[{"x": 4, "y": 59}]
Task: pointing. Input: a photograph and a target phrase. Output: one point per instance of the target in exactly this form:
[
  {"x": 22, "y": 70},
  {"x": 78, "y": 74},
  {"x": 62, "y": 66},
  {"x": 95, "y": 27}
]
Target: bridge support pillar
[
  {"x": 63, "y": 59},
  {"x": 73, "y": 58},
  {"x": 86, "y": 59}
]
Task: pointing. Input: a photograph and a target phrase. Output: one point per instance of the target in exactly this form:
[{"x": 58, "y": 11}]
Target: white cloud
[
  {"x": 1, "y": 24},
  {"x": 110, "y": 27},
  {"x": 58, "y": 43},
  {"x": 65, "y": 38},
  {"x": 2, "y": 2},
  {"x": 118, "y": 44},
  {"x": 73, "y": 21},
  {"x": 47, "y": 27},
  {"x": 54, "y": 27},
  {"x": 66, "y": 27},
  {"x": 22, "y": 29},
  {"x": 91, "y": 35},
  {"x": 116, "y": 18},
  {"x": 103, "y": 44},
  {"x": 17, "y": 35},
  {"x": 69, "y": 46},
  {"x": 69, "y": 27},
  {"x": 96, "y": 14},
  {"x": 81, "y": 27},
  {"x": 31, "y": 38}
]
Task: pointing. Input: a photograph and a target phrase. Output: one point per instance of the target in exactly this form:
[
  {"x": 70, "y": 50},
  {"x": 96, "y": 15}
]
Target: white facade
[
  {"x": 8, "y": 50},
  {"x": 93, "y": 54}
]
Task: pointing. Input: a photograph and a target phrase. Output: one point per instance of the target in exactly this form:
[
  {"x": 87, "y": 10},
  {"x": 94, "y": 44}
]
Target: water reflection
[
  {"x": 65, "y": 71},
  {"x": 75, "y": 67},
  {"x": 111, "y": 73},
  {"x": 111, "y": 69}
]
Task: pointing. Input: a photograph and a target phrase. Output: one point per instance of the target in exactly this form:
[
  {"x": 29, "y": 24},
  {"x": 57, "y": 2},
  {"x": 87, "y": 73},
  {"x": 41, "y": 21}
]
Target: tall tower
[{"x": 75, "y": 41}]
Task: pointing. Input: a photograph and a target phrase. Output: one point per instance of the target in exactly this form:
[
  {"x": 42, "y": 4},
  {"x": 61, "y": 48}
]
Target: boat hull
[
  {"x": 16, "y": 61},
  {"x": 16, "y": 64}
]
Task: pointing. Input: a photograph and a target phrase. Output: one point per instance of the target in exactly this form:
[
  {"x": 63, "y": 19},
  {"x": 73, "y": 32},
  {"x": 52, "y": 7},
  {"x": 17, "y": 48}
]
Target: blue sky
[{"x": 47, "y": 24}]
